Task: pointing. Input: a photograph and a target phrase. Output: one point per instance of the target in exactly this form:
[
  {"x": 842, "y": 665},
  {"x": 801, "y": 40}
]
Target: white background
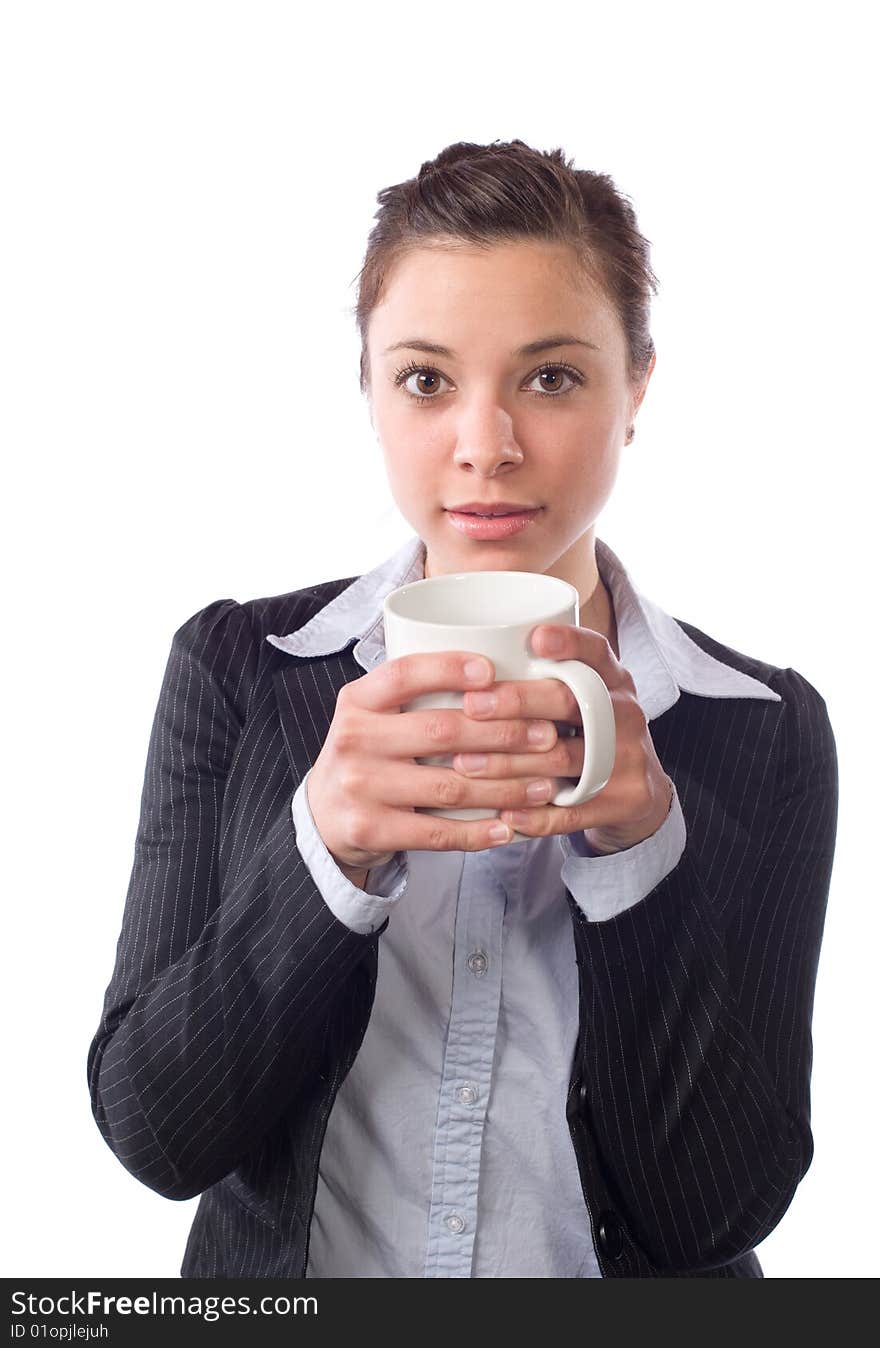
[{"x": 188, "y": 189}]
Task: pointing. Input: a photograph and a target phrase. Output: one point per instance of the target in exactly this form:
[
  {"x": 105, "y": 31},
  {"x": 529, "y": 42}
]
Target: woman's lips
[{"x": 493, "y": 526}]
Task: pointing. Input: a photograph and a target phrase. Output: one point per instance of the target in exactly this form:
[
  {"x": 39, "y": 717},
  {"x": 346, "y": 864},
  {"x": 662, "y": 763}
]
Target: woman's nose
[{"x": 485, "y": 438}]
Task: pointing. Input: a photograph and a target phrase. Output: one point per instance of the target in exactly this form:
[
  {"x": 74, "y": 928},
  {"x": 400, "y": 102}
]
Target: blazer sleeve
[
  {"x": 209, "y": 1024},
  {"x": 699, "y": 1050}
]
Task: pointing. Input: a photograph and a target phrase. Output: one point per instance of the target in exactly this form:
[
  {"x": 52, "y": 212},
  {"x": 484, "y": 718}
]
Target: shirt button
[
  {"x": 456, "y": 1224},
  {"x": 478, "y": 963},
  {"x": 467, "y": 1094}
]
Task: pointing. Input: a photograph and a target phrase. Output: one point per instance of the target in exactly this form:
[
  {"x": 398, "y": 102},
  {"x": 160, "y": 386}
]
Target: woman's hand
[
  {"x": 364, "y": 787},
  {"x": 636, "y": 799}
]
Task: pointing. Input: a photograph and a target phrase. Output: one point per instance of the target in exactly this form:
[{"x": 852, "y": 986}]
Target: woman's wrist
[{"x": 357, "y": 877}]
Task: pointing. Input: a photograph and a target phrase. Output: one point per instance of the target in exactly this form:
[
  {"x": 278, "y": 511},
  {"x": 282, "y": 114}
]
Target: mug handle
[{"x": 597, "y": 714}]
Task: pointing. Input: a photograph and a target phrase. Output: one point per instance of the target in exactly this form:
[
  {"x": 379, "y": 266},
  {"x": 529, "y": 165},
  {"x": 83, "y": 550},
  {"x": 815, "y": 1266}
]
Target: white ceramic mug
[{"x": 493, "y": 613}]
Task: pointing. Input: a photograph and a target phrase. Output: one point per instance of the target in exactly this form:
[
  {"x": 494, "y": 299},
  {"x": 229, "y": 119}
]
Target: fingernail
[
  {"x": 552, "y": 641},
  {"x": 473, "y": 762},
  {"x": 538, "y": 791},
  {"x": 482, "y": 701},
  {"x": 517, "y": 816},
  {"x": 476, "y": 671},
  {"x": 540, "y": 733},
  {"x": 499, "y": 833}
]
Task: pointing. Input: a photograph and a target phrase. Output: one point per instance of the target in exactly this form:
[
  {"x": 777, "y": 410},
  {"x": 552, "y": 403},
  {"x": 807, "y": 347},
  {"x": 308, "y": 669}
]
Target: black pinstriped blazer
[{"x": 238, "y": 1001}]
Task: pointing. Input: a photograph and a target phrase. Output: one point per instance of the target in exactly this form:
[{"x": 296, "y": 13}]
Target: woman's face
[{"x": 482, "y": 422}]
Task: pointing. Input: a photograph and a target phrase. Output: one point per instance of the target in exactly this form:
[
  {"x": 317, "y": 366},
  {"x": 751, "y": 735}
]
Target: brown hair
[{"x": 486, "y": 194}]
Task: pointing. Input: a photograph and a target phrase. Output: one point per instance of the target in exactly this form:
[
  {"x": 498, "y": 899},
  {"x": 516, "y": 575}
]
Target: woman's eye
[
  {"x": 557, "y": 373},
  {"x": 422, "y": 383},
  {"x": 426, "y": 389}
]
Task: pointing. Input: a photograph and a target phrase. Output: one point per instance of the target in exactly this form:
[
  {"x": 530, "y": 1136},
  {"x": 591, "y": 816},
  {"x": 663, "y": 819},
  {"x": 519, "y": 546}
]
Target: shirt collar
[{"x": 660, "y": 656}]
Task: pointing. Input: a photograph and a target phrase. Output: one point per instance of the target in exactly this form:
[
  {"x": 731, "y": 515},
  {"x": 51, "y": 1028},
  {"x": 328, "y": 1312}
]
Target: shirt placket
[{"x": 467, "y": 1070}]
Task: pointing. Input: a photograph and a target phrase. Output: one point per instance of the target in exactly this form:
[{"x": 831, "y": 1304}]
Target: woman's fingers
[
  {"x": 394, "y": 683},
  {"x": 436, "y": 731},
  {"x": 564, "y": 759},
  {"x": 439, "y": 788}
]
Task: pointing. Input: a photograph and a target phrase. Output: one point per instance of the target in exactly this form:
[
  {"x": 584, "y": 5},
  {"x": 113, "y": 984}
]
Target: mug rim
[{"x": 389, "y": 607}]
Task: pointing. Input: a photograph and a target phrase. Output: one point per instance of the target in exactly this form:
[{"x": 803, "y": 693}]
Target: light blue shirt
[{"x": 447, "y": 1151}]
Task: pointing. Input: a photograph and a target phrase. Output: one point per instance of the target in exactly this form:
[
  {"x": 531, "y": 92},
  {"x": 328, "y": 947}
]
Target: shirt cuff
[
  {"x": 603, "y": 885},
  {"x": 361, "y": 910}
]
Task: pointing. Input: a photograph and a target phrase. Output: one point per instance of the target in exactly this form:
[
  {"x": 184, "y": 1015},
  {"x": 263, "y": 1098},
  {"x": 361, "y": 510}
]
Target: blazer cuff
[
  {"x": 604, "y": 885},
  {"x": 360, "y": 910}
]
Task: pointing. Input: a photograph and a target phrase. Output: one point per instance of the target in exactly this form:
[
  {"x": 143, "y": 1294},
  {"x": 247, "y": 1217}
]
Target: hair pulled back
[{"x": 480, "y": 195}]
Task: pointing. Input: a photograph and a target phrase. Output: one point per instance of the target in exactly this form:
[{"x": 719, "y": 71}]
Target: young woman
[{"x": 381, "y": 1043}]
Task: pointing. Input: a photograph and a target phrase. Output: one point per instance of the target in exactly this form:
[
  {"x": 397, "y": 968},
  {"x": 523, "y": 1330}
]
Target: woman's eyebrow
[{"x": 530, "y": 349}]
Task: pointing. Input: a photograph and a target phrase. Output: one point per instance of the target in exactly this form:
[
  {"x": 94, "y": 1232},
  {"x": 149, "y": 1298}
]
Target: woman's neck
[{"x": 597, "y": 613}]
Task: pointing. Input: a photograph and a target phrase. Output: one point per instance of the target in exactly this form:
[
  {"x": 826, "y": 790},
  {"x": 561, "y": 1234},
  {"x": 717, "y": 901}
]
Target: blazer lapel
[{"x": 306, "y": 688}]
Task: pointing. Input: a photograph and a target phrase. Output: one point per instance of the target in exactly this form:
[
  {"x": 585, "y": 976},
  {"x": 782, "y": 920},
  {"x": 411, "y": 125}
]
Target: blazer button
[
  {"x": 582, "y": 1095},
  {"x": 610, "y": 1234}
]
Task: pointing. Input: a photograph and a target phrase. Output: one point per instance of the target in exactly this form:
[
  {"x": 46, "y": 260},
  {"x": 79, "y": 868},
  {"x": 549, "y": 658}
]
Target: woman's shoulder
[
  {"x": 230, "y": 622},
  {"x": 801, "y": 700},
  {"x": 285, "y": 613}
]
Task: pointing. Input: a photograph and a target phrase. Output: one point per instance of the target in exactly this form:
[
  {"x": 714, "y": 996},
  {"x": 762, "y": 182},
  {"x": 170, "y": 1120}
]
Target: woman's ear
[{"x": 643, "y": 387}]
